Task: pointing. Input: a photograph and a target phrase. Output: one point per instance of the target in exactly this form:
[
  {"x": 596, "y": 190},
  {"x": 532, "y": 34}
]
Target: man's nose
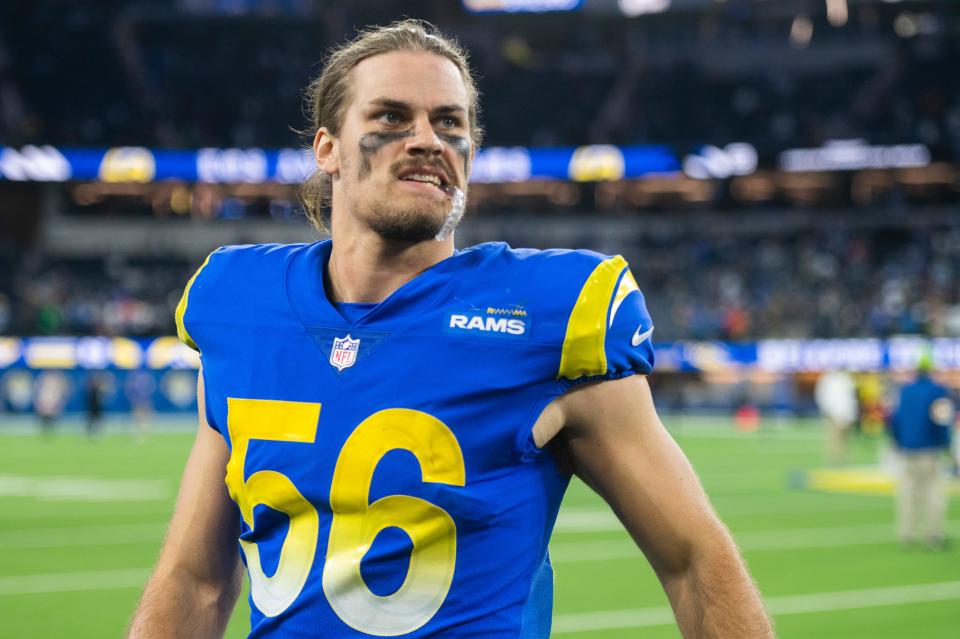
[{"x": 425, "y": 140}]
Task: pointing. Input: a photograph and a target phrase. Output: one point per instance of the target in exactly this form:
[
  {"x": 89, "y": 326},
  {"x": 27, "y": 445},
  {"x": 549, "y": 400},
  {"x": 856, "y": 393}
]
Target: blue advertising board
[{"x": 292, "y": 166}]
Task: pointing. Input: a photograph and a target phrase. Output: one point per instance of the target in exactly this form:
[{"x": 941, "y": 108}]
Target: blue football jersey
[{"x": 382, "y": 455}]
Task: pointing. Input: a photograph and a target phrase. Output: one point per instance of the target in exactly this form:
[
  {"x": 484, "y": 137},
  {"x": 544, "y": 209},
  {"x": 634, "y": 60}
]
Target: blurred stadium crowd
[
  {"x": 699, "y": 286},
  {"x": 147, "y": 69},
  {"x": 115, "y": 296}
]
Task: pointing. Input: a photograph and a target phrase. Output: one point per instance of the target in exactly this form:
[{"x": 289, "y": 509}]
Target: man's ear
[{"x": 325, "y": 151}]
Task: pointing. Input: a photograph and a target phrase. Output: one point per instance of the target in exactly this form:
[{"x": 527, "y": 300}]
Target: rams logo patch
[{"x": 480, "y": 324}]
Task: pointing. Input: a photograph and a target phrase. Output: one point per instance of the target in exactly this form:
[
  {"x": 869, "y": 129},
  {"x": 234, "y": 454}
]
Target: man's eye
[
  {"x": 389, "y": 117},
  {"x": 449, "y": 123}
]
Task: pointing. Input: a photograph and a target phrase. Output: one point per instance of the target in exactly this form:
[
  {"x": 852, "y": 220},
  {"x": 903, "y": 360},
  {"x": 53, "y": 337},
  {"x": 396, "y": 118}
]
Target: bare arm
[
  {"x": 198, "y": 576},
  {"x": 618, "y": 446}
]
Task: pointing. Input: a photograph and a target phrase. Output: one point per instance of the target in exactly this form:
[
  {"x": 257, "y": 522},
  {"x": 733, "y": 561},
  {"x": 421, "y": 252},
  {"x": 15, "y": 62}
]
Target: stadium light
[
  {"x": 801, "y": 31},
  {"x": 906, "y": 25},
  {"x": 837, "y": 12},
  {"x": 633, "y": 8}
]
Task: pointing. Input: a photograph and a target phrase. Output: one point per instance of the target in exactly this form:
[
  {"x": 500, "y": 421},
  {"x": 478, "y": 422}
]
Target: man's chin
[{"x": 408, "y": 227}]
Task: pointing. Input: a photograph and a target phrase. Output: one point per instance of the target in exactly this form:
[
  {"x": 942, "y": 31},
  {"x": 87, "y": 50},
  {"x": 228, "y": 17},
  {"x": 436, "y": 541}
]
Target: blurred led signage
[
  {"x": 128, "y": 164},
  {"x": 640, "y": 7},
  {"x": 520, "y": 6},
  {"x": 10, "y": 351},
  {"x": 773, "y": 355},
  {"x": 95, "y": 353},
  {"x": 292, "y": 166},
  {"x": 501, "y": 165},
  {"x": 789, "y": 355},
  {"x": 596, "y": 163},
  {"x": 232, "y": 166},
  {"x": 34, "y": 164},
  {"x": 710, "y": 161},
  {"x": 591, "y": 163},
  {"x": 854, "y": 155}
]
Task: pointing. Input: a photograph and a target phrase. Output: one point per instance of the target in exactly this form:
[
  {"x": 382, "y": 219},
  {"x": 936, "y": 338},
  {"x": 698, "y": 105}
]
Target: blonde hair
[{"x": 328, "y": 94}]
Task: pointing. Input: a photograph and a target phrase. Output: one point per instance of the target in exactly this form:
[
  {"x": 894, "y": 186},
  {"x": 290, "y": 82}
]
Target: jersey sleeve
[
  {"x": 609, "y": 330},
  {"x": 180, "y": 316}
]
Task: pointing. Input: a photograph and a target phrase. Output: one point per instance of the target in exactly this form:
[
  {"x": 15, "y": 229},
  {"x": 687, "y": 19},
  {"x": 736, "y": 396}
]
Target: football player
[{"x": 396, "y": 420}]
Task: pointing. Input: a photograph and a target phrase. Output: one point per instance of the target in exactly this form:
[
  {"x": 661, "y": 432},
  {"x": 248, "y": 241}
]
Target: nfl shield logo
[{"x": 344, "y": 353}]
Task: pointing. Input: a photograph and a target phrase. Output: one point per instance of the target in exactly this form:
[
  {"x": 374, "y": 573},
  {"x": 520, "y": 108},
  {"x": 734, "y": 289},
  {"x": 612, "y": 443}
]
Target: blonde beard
[{"x": 408, "y": 226}]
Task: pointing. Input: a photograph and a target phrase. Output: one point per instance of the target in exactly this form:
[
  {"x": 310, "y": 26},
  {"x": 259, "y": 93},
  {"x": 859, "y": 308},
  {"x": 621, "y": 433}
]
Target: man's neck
[{"x": 364, "y": 267}]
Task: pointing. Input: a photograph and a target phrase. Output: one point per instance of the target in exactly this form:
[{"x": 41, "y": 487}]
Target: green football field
[{"x": 81, "y": 523}]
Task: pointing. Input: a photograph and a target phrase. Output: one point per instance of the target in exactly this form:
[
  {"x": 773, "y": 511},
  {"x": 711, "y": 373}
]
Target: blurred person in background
[
  {"x": 50, "y": 397},
  {"x": 873, "y": 410},
  {"x": 836, "y": 398},
  {"x": 921, "y": 426},
  {"x": 139, "y": 387},
  {"x": 94, "y": 403},
  {"x": 378, "y": 326}
]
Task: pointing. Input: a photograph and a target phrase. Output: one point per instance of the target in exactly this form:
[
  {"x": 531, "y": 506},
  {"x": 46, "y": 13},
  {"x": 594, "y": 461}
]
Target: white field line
[
  {"x": 73, "y": 581},
  {"x": 89, "y": 512},
  {"x": 67, "y": 536},
  {"x": 83, "y": 488},
  {"x": 795, "y": 539},
  {"x": 603, "y": 520},
  {"x": 786, "y": 507},
  {"x": 587, "y": 521},
  {"x": 786, "y": 605}
]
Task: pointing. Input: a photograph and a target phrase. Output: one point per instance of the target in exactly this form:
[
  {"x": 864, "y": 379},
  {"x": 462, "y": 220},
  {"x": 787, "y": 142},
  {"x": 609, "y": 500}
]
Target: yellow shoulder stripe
[
  {"x": 583, "y": 346},
  {"x": 182, "y": 310}
]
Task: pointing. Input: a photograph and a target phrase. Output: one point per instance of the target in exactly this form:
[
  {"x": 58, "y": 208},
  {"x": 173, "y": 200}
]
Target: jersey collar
[{"x": 307, "y": 296}]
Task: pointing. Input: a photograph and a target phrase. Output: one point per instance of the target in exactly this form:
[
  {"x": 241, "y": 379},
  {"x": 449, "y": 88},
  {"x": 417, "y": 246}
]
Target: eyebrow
[{"x": 404, "y": 106}]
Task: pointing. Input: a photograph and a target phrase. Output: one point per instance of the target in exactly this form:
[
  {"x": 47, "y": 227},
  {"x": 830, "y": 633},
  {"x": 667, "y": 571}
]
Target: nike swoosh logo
[{"x": 638, "y": 337}]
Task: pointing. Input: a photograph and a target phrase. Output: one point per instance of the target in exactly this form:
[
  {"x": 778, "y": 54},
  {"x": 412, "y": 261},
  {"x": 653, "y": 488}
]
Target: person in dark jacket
[
  {"x": 921, "y": 427},
  {"x": 94, "y": 396}
]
